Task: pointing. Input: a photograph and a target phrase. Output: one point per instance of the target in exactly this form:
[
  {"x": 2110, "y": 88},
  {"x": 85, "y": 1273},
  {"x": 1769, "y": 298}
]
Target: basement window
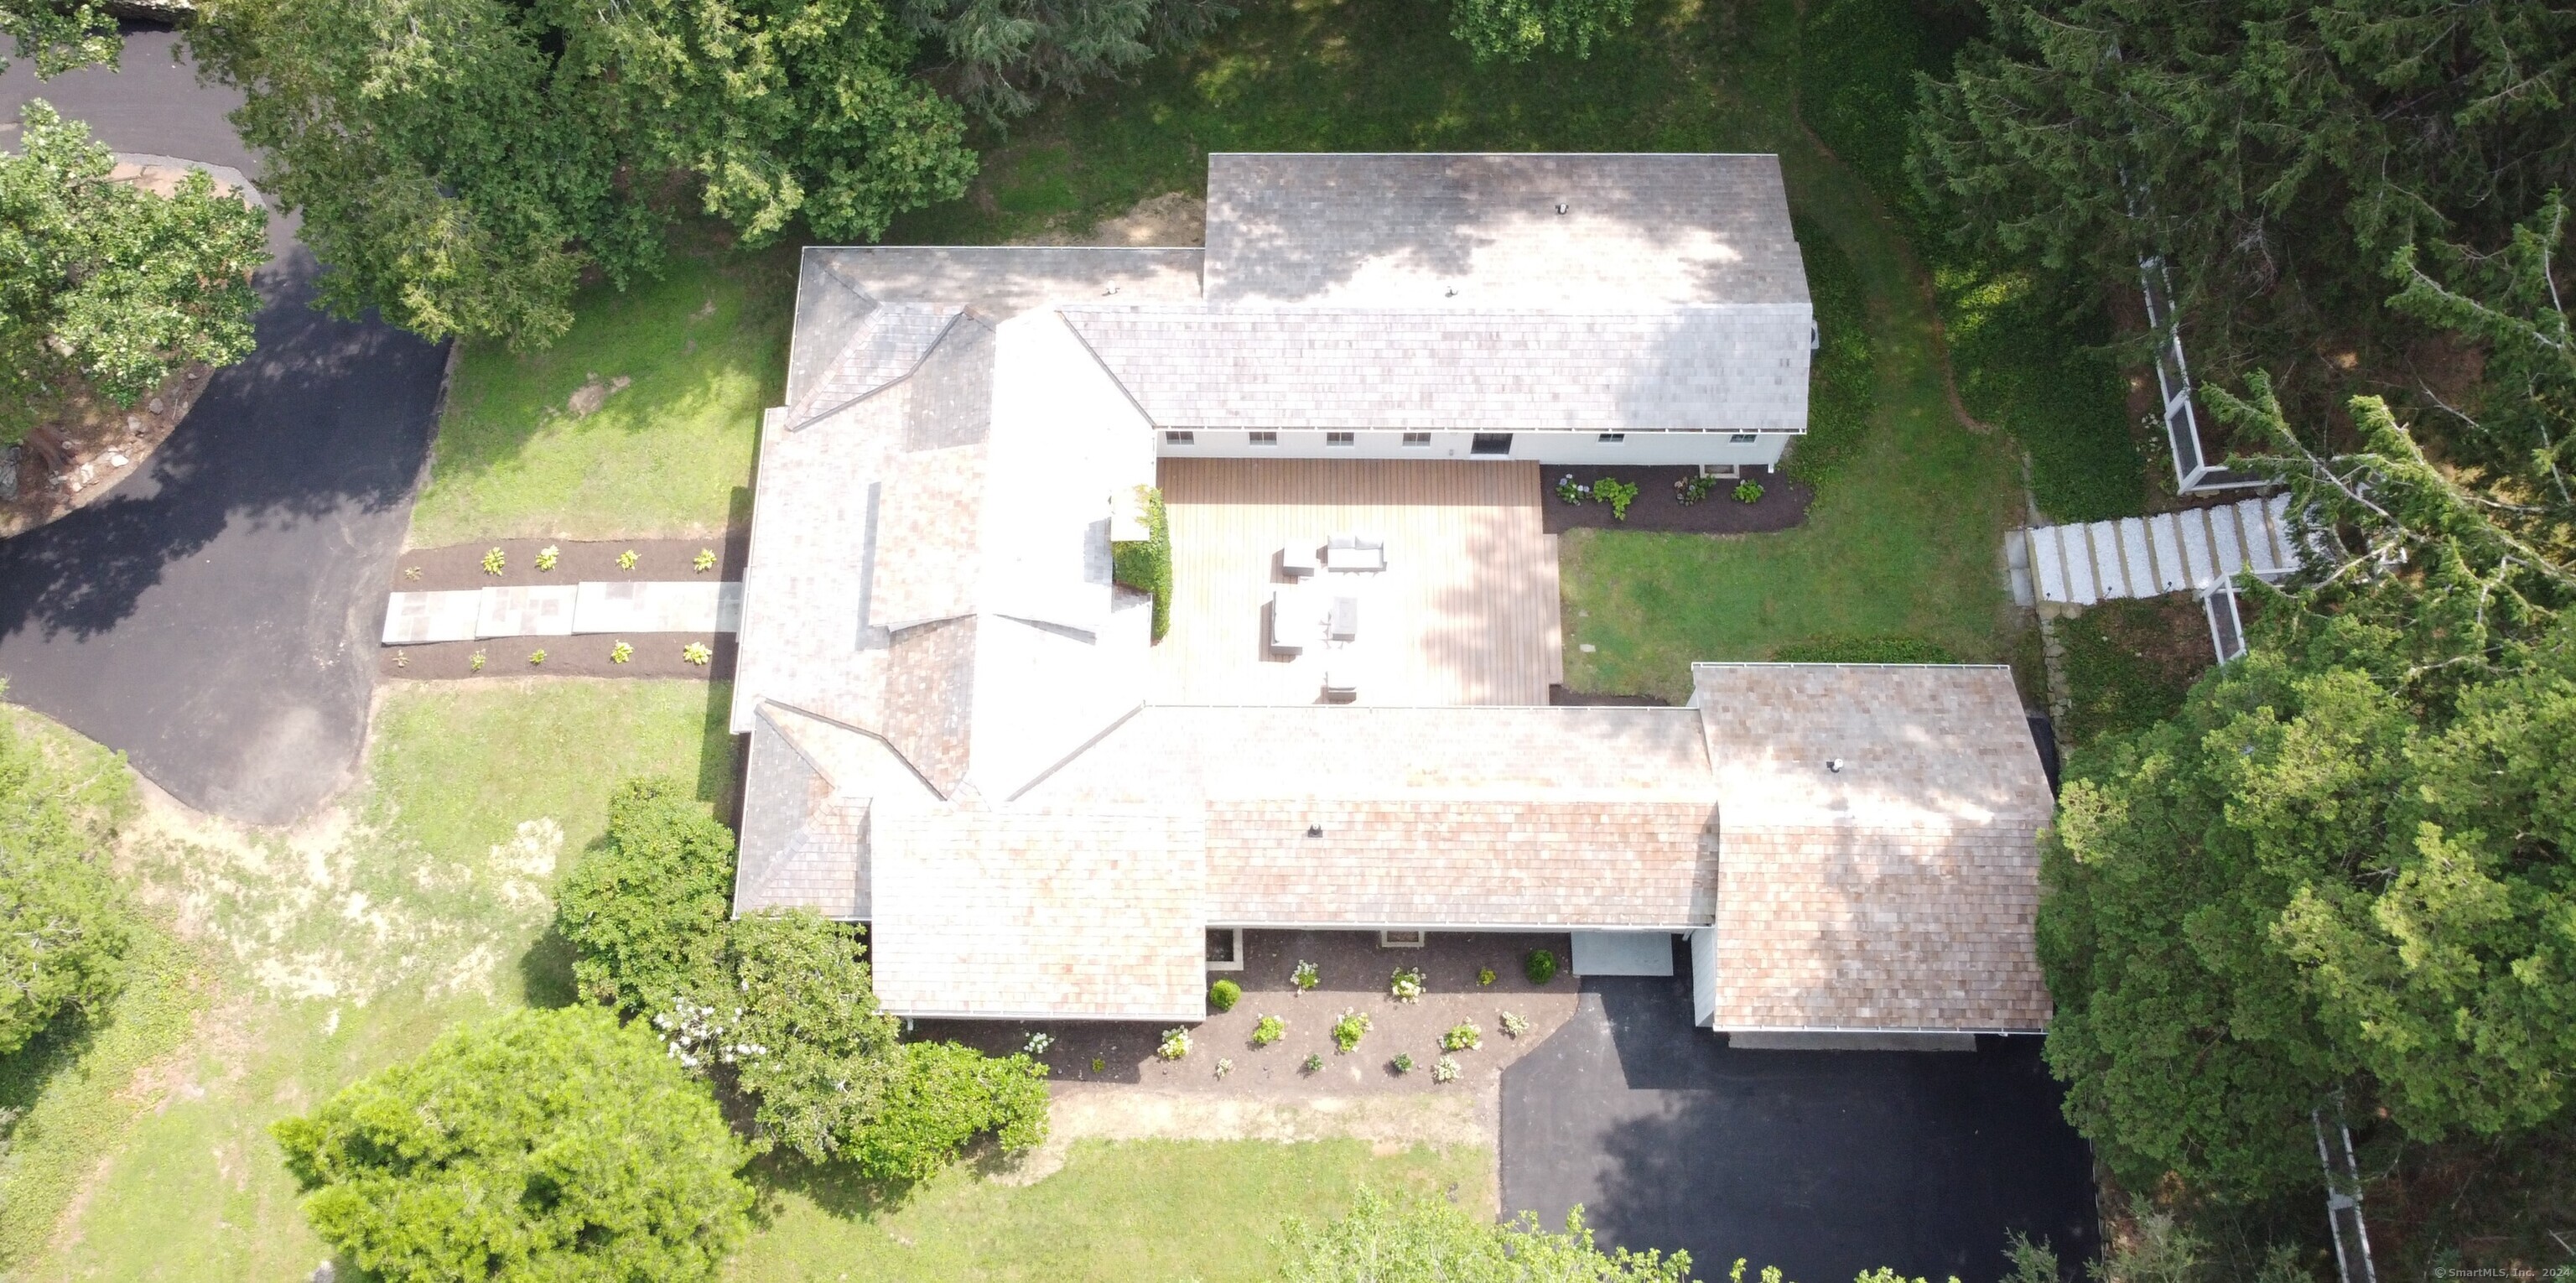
[
  {"x": 1744, "y": 438},
  {"x": 1225, "y": 948},
  {"x": 1613, "y": 438},
  {"x": 1402, "y": 939}
]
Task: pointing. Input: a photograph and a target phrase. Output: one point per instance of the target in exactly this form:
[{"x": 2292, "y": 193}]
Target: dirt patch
[
  {"x": 458, "y": 566},
  {"x": 1659, "y": 506},
  {"x": 79, "y": 453},
  {"x": 1103, "y": 1111},
  {"x": 588, "y": 655}
]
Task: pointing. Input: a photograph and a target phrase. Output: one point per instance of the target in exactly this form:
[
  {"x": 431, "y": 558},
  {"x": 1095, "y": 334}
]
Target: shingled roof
[{"x": 1878, "y": 863}]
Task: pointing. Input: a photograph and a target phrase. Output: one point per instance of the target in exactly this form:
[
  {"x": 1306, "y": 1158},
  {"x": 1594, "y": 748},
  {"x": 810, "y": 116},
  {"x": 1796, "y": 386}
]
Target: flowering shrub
[
  {"x": 494, "y": 562},
  {"x": 1462, "y": 1036},
  {"x": 1224, "y": 994},
  {"x": 626, "y": 560},
  {"x": 1514, "y": 1026},
  {"x": 1444, "y": 1070},
  {"x": 1747, "y": 492},
  {"x": 697, "y": 653},
  {"x": 1693, "y": 488},
  {"x": 1038, "y": 1043},
  {"x": 1484, "y": 975},
  {"x": 1313, "y": 1064},
  {"x": 1617, "y": 494},
  {"x": 1406, "y": 984},
  {"x": 1176, "y": 1044},
  {"x": 704, "y": 561},
  {"x": 1267, "y": 1030},
  {"x": 1347, "y": 1031},
  {"x": 695, "y": 1034},
  {"x": 547, "y": 556},
  {"x": 1402, "y": 1064},
  {"x": 620, "y": 653},
  {"x": 1223, "y": 1066},
  {"x": 1567, "y": 490},
  {"x": 1306, "y": 977}
]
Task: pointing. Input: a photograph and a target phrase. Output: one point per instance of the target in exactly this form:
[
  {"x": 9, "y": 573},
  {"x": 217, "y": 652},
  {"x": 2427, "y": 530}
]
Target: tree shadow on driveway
[
  {"x": 1823, "y": 1163},
  {"x": 213, "y": 615}
]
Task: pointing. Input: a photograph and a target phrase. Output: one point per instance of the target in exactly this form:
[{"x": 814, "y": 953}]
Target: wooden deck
[{"x": 1467, "y": 611}]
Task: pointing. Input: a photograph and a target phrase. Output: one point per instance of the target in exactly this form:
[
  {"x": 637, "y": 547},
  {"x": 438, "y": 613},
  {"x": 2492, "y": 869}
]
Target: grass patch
[
  {"x": 2028, "y": 366},
  {"x": 343, "y": 951},
  {"x": 2129, "y": 663},
  {"x": 669, "y": 455},
  {"x": 1207, "y": 1210},
  {"x": 1377, "y": 75},
  {"x": 1903, "y": 542},
  {"x": 1842, "y": 382}
]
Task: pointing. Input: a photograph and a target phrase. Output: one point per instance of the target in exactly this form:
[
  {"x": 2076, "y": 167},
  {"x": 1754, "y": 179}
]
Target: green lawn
[
  {"x": 329, "y": 956},
  {"x": 1902, "y": 539},
  {"x": 1204, "y": 1210},
  {"x": 668, "y": 455}
]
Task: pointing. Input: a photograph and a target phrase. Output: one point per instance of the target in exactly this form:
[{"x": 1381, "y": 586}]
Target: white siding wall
[
  {"x": 1638, "y": 448},
  {"x": 1704, "y": 975}
]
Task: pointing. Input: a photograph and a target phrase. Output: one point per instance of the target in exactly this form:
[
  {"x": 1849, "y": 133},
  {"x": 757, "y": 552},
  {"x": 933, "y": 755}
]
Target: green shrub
[
  {"x": 1268, "y": 1030},
  {"x": 545, "y": 1144},
  {"x": 1403, "y": 1062},
  {"x": 1842, "y": 377},
  {"x": 1539, "y": 966},
  {"x": 1463, "y": 1036},
  {"x": 1616, "y": 493},
  {"x": 1349, "y": 1029},
  {"x": 1312, "y": 1064},
  {"x": 1146, "y": 564},
  {"x": 1748, "y": 492},
  {"x": 1224, "y": 994},
  {"x": 945, "y": 1096},
  {"x": 63, "y": 927},
  {"x": 646, "y": 911},
  {"x": 1484, "y": 975},
  {"x": 1889, "y": 649}
]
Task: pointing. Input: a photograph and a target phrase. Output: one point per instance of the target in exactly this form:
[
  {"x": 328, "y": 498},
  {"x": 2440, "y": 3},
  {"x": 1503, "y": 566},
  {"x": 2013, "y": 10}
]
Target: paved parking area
[{"x": 1823, "y": 1163}]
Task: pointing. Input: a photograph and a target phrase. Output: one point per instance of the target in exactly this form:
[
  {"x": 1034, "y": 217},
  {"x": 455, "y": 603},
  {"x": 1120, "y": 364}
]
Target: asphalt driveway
[
  {"x": 1823, "y": 1163},
  {"x": 214, "y": 615}
]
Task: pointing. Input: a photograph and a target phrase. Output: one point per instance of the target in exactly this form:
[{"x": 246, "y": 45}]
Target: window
[
  {"x": 1263, "y": 438},
  {"x": 1491, "y": 443},
  {"x": 1341, "y": 438},
  {"x": 1417, "y": 438},
  {"x": 1744, "y": 438},
  {"x": 1225, "y": 948},
  {"x": 1180, "y": 438},
  {"x": 1401, "y": 939},
  {"x": 1613, "y": 438}
]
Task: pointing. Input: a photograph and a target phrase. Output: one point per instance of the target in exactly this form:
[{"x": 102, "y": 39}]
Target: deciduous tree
[
  {"x": 62, "y": 918},
  {"x": 1518, "y": 30},
  {"x": 60, "y": 34},
  {"x": 548, "y": 1145},
  {"x": 106, "y": 286}
]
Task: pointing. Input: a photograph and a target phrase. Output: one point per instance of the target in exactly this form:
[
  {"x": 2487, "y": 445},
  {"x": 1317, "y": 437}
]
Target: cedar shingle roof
[
  {"x": 1898, "y": 892},
  {"x": 1090, "y": 914}
]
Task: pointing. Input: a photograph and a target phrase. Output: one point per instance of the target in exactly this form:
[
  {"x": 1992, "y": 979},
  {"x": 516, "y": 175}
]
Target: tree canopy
[
  {"x": 2255, "y": 142},
  {"x": 62, "y": 918},
  {"x": 778, "y": 1004},
  {"x": 461, "y": 163},
  {"x": 544, "y": 1145},
  {"x": 107, "y": 286},
  {"x": 2350, "y": 862},
  {"x": 1003, "y": 56},
  {"x": 60, "y": 34}
]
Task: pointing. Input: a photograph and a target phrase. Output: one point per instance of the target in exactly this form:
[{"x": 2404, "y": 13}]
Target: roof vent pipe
[
  {"x": 1560, "y": 207},
  {"x": 1314, "y": 830},
  {"x": 1834, "y": 764}
]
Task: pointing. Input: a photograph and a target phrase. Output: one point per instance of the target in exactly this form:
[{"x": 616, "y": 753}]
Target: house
[{"x": 963, "y": 734}]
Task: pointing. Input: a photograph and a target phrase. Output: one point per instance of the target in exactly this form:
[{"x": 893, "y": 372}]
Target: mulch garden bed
[
  {"x": 100, "y": 445},
  {"x": 1659, "y": 507},
  {"x": 460, "y": 566},
  {"x": 1354, "y": 973}
]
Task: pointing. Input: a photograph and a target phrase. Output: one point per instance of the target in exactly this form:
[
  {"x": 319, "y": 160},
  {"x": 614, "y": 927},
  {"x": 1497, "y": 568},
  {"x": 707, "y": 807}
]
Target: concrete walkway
[
  {"x": 215, "y": 615},
  {"x": 1822, "y": 1163}
]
